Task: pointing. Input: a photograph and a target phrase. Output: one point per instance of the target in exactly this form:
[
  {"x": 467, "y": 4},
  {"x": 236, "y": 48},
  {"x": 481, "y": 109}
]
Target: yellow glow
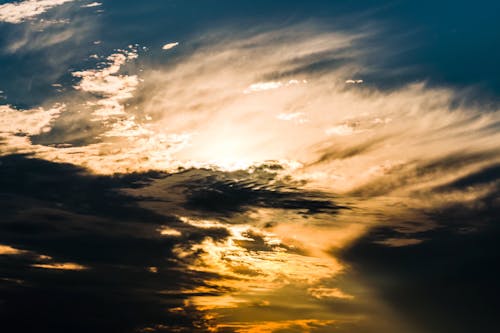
[
  {"x": 304, "y": 325},
  {"x": 322, "y": 292},
  {"x": 61, "y": 266},
  {"x": 8, "y": 250},
  {"x": 166, "y": 231}
]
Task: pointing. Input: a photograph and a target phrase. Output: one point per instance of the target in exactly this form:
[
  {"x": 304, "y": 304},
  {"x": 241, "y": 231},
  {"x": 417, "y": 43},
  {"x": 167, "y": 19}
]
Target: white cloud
[
  {"x": 169, "y": 46},
  {"x": 92, "y": 4},
  {"x": 290, "y": 116},
  {"x": 111, "y": 87},
  {"x": 16, "y": 127},
  {"x": 262, "y": 86},
  {"x": 17, "y": 12},
  {"x": 297, "y": 117},
  {"x": 27, "y": 122},
  {"x": 341, "y": 130}
]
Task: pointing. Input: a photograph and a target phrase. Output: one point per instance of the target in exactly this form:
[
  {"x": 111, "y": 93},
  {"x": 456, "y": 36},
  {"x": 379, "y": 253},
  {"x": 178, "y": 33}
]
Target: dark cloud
[
  {"x": 447, "y": 282},
  {"x": 208, "y": 193},
  {"x": 59, "y": 213},
  {"x": 62, "y": 212}
]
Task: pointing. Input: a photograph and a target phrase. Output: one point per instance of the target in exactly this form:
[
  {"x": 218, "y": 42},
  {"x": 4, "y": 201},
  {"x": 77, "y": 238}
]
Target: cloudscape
[{"x": 249, "y": 166}]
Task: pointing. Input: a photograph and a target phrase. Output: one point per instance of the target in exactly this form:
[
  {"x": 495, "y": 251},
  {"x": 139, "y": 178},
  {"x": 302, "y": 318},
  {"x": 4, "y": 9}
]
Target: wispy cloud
[{"x": 240, "y": 87}]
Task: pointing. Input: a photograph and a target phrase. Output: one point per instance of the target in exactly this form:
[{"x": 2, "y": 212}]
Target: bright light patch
[{"x": 69, "y": 266}]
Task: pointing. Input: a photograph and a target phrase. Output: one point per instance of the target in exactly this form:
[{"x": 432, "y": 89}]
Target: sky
[{"x": 249, "y": 166}]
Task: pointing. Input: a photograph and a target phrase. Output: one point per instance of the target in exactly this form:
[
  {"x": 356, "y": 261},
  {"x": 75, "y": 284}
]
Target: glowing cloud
[
  {"x": 108, "y": 84},
  {"x": 351, "y": 81},
  {"x": 27, "y": 122},
  {"x": 69, "y": 266},
  {"x": 169, "y": 46},
  {"x": 348, "y": 139},
  {"x": 8, "y": 250}
]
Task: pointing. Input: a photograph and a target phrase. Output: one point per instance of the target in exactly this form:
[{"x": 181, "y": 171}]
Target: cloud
[
  {"x": 169, "y": 46},
  {"x": 351, "y": 81},
  {"x": 276, "y": 326},
  {"x": 27, "y": 122},
  {"x": 91, "y": 4},
  {"x": 17, "y": 126},
  {"x": 9, "y": 250},
  {"x": 459, "y": 254},
  {"x": 109, "y": 85},
  {"x": 262, "y": 86},
  {"x": 363, "y": 142},
  {"x": 82, "y": 229},
  {"x": 291, "y": 116},
  {"x": 60, "y": 266},
  {"x": 322, "y": 292},
  {"x": 339, "y": 130},
  {"x": 18, "y": 12}
]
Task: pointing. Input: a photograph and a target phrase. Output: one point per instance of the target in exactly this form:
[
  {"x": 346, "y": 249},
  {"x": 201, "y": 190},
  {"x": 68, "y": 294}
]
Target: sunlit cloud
[
  {"x": 27, "y": 122},
  {"x": 69, "y": 266},
  {"x": 169, "y": 46},
  {"x": 16, "y": 127},
  {"x": 347, "y": 138},
  {"x": 295, "y": 116},
  {"x": 106, "y": 83},
  {"x": 253, "y": 262},
  {"x": 340, "y": 130},
  {"x": 9, "y": 250},
  {"x": 351, "y": 81},
  {"x": 303, "y": 325},
  {"x": 40, "y": 260},
  {"x": 92, "y": 4},
  {"x": 263, "y": 86},
  {"x": 166, "y": 231},
  {"x": 322, "y": 292},
  {"x": 17, "y": 12}
]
